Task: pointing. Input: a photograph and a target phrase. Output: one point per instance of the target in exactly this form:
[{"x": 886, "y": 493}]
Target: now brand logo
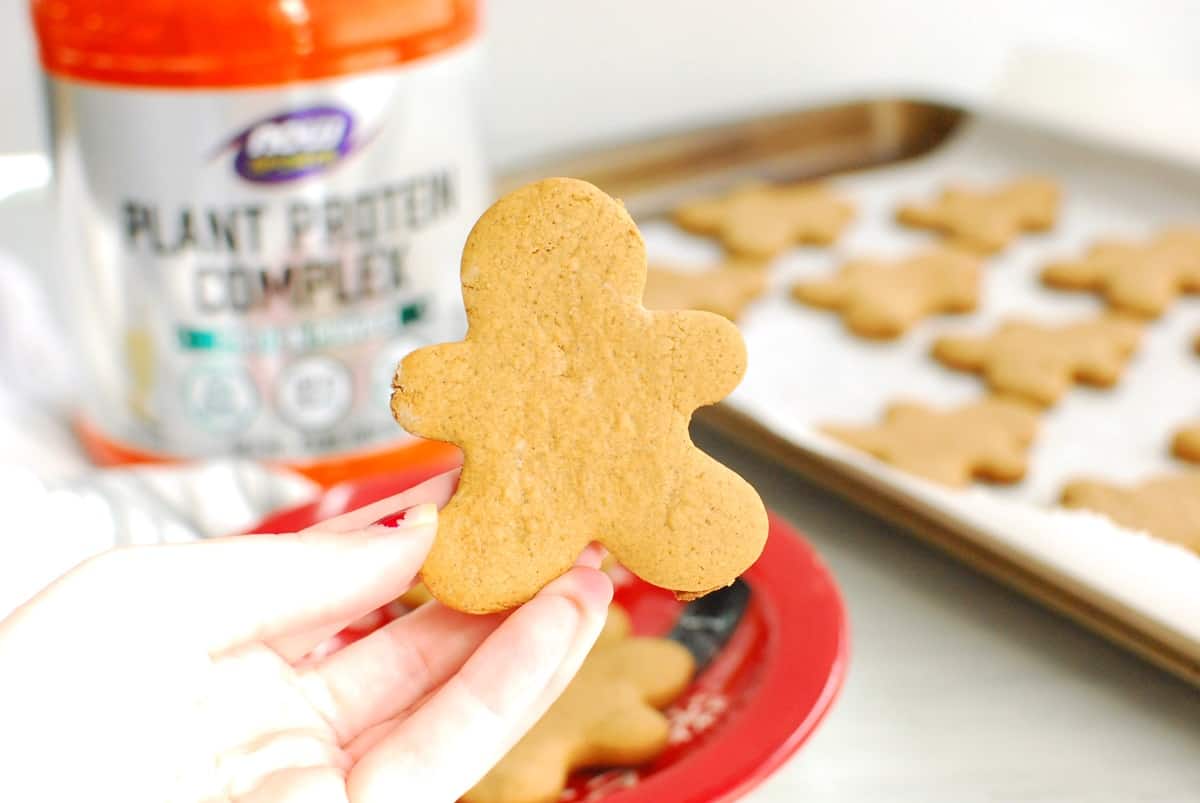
[{"x": 292, "y": 145}]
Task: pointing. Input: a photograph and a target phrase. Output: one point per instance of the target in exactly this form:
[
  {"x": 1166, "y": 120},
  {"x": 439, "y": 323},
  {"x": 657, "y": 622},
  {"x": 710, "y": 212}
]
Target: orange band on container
[
  {"x": 325, "y": 471},
  {"x": 241, "y": 43}
]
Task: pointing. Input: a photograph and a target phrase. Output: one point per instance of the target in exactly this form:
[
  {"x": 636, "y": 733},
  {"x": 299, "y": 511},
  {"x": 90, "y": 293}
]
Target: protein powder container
[{"x": 263, "y": 204}]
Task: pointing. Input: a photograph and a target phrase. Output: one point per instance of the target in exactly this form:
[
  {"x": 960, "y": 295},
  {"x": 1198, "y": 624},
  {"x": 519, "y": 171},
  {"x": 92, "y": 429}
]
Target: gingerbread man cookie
[
  {"x": 1167, "y": 506},
  {"x": 608, "y": 716},
  {"x": 1138, "y": 279},
  {"x": 571, "y": 403},
  {"x": 1041, "y": 362},
  {"x": 725, "y": 290},
  {"x": 884, "y": 299},
  {"x": 987, "y": 220},
  {"x": 761, "y": 220},
  {"x": 985, "y": 440}
]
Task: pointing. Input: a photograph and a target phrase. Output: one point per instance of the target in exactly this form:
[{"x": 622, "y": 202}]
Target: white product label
[{"x": 246, "y": 267}]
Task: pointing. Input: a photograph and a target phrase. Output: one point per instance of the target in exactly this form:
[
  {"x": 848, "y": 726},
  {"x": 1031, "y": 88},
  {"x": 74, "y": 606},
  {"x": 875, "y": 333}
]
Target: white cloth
[{"x": 55, "y": 508}]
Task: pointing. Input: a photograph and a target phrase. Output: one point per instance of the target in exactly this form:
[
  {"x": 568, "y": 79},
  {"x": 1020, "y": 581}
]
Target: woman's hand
[{"x": 174, "y": 673}]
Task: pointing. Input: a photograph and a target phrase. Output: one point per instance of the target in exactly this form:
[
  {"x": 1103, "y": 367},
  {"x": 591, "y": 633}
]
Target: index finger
[{"x": 436, "y": 490}]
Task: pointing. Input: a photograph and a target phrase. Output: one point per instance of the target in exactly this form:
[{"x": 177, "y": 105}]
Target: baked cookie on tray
[
  {"x": 1166, "y": 506},
  {"x": 987, "y": 220},
  {"x": 725, "y": 289},
  {"x": 1137, "y": 278},
  {"x": 985, "y": 440},
  {"x": 884, "y": 299},
  {"x": 1040, "y": 362},
  {"x": 761, "y": 220}
]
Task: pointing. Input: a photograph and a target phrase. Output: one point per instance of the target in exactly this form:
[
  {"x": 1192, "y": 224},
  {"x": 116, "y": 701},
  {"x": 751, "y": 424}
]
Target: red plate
[{"x": 748, "y": 710}]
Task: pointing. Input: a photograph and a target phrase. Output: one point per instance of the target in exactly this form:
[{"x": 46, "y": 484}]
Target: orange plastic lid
[{"x": 239, "y": 43}]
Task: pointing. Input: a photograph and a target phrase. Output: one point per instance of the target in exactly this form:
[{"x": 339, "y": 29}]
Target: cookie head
[
  {"x": 558, "y": 237},
  {"x": 571, "y": 403}
]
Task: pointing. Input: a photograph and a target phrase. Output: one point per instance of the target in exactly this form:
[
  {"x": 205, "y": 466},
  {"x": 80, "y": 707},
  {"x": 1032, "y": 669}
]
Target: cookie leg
[
  {"x": 823, "y": 293},
  {"x": 1005, "y": 464},
  {"x": 715, "y": 528},
  {"x": 631, "y": 736},
  {"x": 484, "y": 565},
  {"x": 1142, "y": 293},
  {"x": 1070, "y": 275}
]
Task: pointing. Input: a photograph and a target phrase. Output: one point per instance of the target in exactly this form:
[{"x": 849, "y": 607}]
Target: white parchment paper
[{"x": 805, "y": 369}]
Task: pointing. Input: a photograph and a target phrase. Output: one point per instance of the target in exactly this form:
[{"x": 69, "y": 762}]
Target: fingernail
[
  {"x": 415, "y": 516},
  {"x": 592, "y": 556}
]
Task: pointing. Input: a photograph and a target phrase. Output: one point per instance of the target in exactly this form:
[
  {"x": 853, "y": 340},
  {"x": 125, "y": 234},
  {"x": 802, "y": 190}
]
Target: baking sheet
[{"x": 805, "y": 369}]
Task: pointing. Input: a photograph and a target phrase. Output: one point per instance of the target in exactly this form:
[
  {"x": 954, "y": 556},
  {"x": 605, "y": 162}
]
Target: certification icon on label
[
  {"x": 314, "y": 393},
  {"x": 221, "y": 399}
]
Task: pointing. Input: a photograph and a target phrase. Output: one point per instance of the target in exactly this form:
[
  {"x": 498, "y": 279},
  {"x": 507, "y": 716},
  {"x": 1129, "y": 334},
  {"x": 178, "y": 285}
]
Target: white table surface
[{"x": 960, "y": 690}]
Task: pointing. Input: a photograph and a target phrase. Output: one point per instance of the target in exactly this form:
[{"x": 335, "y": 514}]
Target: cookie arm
[
  {"x": 1070, "y": 275},
  {"x": 1186, "y": 444},
  {"x": 703, "y": 216},
  {"x": 430, "y": 390},
  {"x": 961, "y": 352},
  {"x": 707, "y": 353},
  {"x": 1003, "y": 463},
  {"x": 756, "y": 235},
  {"x": 1146, "y": 293},
  {"x": 867, "y": 439},
  {"x": 1189, "y": 278},
  {"x": 919, "y": 215},
  {"x": 878, "y": 443},
  {"x": 824, "y": 293},
  {"x": 1101, "y": 366},
  {"x": 1089, "y": 494}
]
